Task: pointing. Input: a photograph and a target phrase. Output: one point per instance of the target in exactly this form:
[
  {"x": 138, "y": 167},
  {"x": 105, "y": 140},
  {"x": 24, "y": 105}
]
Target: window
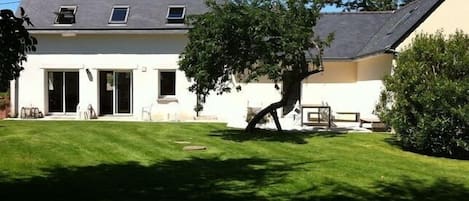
[
  {"x": 119, "y": 15},
  {"x": 66, "y": 15},
  {"x": 167, "y": 83},
  {"x": 176, "y": 14}
]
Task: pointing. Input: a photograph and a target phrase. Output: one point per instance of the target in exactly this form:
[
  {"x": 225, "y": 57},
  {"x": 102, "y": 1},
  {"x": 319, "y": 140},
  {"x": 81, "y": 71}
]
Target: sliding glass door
[
  {"x": 115, "y": 92},
  {"x": 63, "y": 91}
]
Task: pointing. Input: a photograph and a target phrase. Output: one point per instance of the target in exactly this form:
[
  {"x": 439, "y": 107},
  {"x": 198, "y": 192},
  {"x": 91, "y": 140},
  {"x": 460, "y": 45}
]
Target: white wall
[
  {"x": 143, "y": 56},
  {"x": 347, "y": 86},
  {"x": 370, "y": 73}
]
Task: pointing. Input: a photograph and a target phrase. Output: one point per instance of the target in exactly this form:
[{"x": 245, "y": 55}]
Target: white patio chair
[
  {"x": 82, "y": 111},
  {"x": 147, "y": 110}
]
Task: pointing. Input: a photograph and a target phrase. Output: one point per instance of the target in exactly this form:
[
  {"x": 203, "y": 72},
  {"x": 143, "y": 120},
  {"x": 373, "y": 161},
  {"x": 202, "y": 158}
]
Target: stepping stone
[
  {"x": 182, "y": 142},
  {"x": 194, "y": 148}
]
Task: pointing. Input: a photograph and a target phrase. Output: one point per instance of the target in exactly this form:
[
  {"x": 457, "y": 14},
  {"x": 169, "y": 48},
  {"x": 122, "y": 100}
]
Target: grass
[{"x": 49, "y": 160}]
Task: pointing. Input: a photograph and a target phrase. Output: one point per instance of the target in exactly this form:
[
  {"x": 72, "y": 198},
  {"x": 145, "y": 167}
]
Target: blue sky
[
  {"x": 331, "y": 9},
  {"x": 9, "y": 4},
  {"x": 13, "y": 4}
]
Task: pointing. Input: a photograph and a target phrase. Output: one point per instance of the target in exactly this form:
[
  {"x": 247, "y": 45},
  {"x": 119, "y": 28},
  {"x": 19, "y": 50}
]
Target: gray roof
[
  {"x": 352, "y": 32},
  {"x": 403, "y": 22},
  {"x": 366, "y": 33},
  {"x": 356, "y": 34},
  {"x": 95, "y": 14}
]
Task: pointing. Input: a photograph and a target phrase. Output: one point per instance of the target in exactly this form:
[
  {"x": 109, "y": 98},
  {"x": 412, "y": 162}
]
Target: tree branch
[{"x": 307, "y": 74}]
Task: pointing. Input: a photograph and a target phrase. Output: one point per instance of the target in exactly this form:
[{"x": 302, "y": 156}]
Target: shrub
[
  {"x": 426, "y": 99},
  {"x": 4, "y": 102}
]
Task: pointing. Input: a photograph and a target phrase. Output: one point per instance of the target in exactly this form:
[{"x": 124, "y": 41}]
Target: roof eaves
[
  {"x": 352, "y": 59},
  {"x": 337, "y": 59},
  {"x": 109, "y": 31},
  {"x": 361, "y": 56}
]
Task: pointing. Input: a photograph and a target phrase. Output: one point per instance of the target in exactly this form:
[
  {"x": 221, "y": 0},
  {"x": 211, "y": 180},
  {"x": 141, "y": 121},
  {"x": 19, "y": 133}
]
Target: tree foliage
[
  {"x": 426, "y": 100},
  {"x": 15, "y": 42},
  {"x": 370, "y": 5},
  {"x": 252, "y": 39}
]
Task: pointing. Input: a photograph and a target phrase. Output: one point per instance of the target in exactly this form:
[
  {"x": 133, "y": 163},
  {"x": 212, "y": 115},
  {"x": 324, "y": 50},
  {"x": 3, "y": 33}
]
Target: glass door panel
[
  {"x": 106, "y": 92},
  {"x": 123, "y": 92},
  {"x": 72, "y": 91},
  {"x": 55, "y": 89}
]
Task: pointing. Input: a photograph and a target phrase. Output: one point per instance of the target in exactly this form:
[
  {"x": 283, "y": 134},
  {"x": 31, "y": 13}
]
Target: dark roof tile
[
  {"x": 352, "y": 31},
  {"x": 95, "y": 14},
  {"x": 356, "y": 34}
]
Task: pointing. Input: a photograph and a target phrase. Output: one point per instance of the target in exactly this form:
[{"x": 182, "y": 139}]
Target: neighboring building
[{"x": 120, "y": 56}]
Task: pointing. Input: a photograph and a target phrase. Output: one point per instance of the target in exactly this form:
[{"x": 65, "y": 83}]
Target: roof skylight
[
  {"x": 66, "y": 15},
  {"x": 176, "y": 14},
  {"x": 119, "y": 15}
]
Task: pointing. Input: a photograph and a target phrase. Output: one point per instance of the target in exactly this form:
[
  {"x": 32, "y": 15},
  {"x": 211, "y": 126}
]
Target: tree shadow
[
  {"x": 200, "y": 179},
  {"x": 194, "y": 179},
  {"x": 295, "y": 137},
  {"x": 394, "y": 141},
  {"x": 404, "y": 189}
]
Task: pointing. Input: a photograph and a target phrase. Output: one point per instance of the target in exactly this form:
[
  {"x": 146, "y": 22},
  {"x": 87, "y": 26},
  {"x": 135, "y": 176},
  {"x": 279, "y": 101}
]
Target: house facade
[{"x": 121, "y": 58}]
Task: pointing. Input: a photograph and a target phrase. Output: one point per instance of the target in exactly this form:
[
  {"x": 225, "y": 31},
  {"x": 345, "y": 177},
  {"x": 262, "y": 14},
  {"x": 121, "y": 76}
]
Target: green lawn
[{"x": 48, "y": 160}]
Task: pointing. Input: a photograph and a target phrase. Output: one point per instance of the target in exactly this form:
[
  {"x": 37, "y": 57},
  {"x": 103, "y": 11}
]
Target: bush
[
  {"x": 4, "y": 102},
  {"x": 426, "y": 99}
]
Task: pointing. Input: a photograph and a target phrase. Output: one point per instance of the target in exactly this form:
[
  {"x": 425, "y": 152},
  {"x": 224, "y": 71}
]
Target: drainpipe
[{"x": 395, "y": 54}]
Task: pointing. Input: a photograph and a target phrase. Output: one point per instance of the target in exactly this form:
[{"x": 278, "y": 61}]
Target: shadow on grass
[
  {"x": 212, "y": 179},
  {"x": 194, "y": 179},
  {"x": 394, "y": 141},
  {"x": 403, "y": 190},
  {"x": 295, "y": 137}
]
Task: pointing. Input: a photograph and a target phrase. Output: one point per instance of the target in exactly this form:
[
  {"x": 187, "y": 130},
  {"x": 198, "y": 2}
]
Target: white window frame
[
  {"x": 63, "y": 71},
  {"x": 116, "y": 92},
  {"x": 126, "y": 14},
  {"x": 56, "y": 22},
  {"x": 160, "y": 96},
  {"x": 176, "y": 18}
]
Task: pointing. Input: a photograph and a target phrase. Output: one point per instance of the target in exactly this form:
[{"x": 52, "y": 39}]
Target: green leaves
[
  {"x": 250, "y": 39},
  {"x": 430, "y": 94},
  {"x": 15, "y": 42}
]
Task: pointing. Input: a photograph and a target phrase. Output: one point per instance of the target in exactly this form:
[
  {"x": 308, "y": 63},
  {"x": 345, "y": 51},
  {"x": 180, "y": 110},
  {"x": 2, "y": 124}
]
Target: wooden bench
[
  {"x": 376, "y": 124},
  {"x": 347, "y": 117},
  {"x": 321, "y": 116}
]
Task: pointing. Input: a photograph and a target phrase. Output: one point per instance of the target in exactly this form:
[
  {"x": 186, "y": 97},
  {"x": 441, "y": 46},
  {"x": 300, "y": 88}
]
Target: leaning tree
[
  {"x": 15, "y": 42},
  {"x": 252, "y": 39}
]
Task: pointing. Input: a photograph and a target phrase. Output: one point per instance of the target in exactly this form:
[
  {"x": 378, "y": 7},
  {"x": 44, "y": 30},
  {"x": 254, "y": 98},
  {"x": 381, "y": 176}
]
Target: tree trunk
[
  {"x": 255, "y": 120},
  {"x": 296, "y": 80},
  {"x": 272, "y": 108}
]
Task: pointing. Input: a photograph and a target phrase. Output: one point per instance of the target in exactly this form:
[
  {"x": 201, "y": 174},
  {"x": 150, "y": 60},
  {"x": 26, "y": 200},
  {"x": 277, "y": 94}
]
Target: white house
[{"x": 121, "y": 58}]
